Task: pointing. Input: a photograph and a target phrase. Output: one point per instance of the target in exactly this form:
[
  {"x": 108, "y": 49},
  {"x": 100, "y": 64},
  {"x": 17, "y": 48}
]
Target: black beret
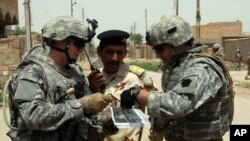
[{"x": 113, "y": 37}]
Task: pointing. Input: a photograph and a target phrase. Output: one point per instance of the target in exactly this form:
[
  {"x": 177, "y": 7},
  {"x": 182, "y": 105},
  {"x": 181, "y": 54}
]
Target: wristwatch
[{"x": 135, "y": 92}]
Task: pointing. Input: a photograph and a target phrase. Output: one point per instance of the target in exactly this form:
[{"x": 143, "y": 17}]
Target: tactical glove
[
  {"x": 128, "y": 97},
  {"x": 95, "y": 103}
]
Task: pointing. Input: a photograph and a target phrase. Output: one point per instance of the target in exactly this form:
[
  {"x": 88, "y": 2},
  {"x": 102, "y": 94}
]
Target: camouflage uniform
[
  {"x": 238, "y": 57},
  {"x": 116, "y": 84},
  {"x": 47, "y": 110},
  {"x": 248, "y": 66},
  {"x": 50, "y": 108},
  {"x": 194, "y": 104},
  {"x": 218, "y": 51},
  {"x": 119, "y": 78}
]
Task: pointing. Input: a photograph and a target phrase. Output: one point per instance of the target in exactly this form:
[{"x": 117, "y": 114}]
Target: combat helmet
[
  {"x": 216, "y": 46},
  {"x": 173, "y": 30},
  {"x": 64, "y": 26}
]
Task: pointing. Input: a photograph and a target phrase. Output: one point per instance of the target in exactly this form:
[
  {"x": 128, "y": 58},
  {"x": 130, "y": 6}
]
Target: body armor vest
[
  {"x": 60, "y": 80},
  {"x": 55, "y": 81},
  {"x": 211, "y": 116}
]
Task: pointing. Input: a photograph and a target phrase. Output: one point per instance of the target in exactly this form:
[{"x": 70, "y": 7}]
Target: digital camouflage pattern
[
  {"x": 173, "y": 30},
  {"x": 46, "y": 110},
  {"x": 238, "y": 57},
  {"x": 216, "y": 46},
  {"x": 248, "y": 66},
  {"x": 64, "y": 26},
  {"x": 218, "y": 50},
  {"x": 195, "y": 103},
  {"x": 248, "y": 61}
]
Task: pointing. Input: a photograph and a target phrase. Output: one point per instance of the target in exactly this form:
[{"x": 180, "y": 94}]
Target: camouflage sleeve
[
  {"x": 198, "y": 84},
  {"x": 36, "y": 112}
]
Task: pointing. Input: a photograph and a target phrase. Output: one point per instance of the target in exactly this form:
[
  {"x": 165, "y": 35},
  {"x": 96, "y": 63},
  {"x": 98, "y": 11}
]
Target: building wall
[
  {"x": 213, "y": 32},
  {"x": 8, "y": 14},
  {"x": 11, "y": 50},
  {"x": 231, "y": 45},
  {"x": 140, "y": 51}
]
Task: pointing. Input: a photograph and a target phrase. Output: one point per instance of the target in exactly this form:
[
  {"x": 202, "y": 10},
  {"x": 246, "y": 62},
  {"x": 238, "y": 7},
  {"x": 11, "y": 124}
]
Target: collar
[
  {"x": 202, "y": 48},
  {"x": 67, "y": 72},
  {"x": 122, "y": 72}
]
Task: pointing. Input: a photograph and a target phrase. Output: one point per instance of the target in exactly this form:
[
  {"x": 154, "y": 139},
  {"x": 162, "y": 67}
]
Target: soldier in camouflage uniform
[
  {"x": 218, "y": 51},
  {"x": 248, "y": 67},
  {"x": 238, "y": 57},
  {"x": 194, "y": 104},
  {"x": 118, "y": 76},
  {"x": 51, "y": 95}
]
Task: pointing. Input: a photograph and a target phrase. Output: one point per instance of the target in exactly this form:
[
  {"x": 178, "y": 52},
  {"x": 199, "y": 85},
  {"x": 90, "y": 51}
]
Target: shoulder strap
[
  {"x": 219, "y": 62},
  {"x": 10, "y": 88},
  {"x": 228, "y": 77}
]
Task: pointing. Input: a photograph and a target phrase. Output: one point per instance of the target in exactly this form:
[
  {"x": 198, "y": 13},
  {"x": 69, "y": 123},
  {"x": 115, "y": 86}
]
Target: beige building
[
  {"x": 228, "y": 34},
  {"x": 8, "y": 14},
  {"x": 213, "y": 32},
  {"x": 231, "y": 44}
]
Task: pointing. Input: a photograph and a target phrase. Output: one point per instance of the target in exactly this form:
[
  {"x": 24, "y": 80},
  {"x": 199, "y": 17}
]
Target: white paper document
[{"x": 127, "y": 118}]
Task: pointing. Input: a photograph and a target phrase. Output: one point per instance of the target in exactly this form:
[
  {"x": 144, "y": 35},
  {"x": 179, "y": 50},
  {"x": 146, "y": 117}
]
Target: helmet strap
[
  {"x": 65, "y": 50},
  {"x": 68, "y": 41},
  {"x": 50, "y": 43},
  {"x": 172, "y": 59},
  {"x": 58, "y": 49},
  {"x": 176, "y": 53}
]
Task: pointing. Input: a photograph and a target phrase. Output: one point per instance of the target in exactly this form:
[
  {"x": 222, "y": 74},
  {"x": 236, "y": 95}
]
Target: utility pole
[
  {"x": 177, "y": 7},
  {"x": 134, "y": 27},
  {"x": 27, "y": 24},
  {"x": 83, "y": 15},
  {"x": 71, "y": 7},
  {"x": 146, "y": 19},
  {"x": 198, "y": 21}
]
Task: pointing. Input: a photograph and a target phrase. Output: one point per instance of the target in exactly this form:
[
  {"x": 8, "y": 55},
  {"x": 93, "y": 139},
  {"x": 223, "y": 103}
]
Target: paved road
[
  {"x": 3, "y": 128},
  {"x": 242, "y": 107}
]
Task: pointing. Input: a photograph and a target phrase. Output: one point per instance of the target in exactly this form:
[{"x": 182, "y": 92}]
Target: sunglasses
[
  {"x": 158, "y": 49},
  {"x": 79, "y": 44}
]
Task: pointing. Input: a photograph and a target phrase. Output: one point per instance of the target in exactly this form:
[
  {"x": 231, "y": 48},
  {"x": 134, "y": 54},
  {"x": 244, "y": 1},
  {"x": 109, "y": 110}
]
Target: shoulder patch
[
  {"x": 137, "y": 70},
  {"x": 186, "y": 82},
  {"x": 187, "y": 85}
]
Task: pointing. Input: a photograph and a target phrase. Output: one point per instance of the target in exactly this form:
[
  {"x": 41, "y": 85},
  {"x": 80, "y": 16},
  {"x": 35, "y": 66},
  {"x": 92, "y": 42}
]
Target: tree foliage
[
  {"x": 136, "y": 38},
  {"x": 19, "y": 31}
]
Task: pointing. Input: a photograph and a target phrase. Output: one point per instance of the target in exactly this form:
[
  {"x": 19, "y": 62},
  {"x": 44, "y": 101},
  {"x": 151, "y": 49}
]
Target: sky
[{"x": 122, "y": 14}]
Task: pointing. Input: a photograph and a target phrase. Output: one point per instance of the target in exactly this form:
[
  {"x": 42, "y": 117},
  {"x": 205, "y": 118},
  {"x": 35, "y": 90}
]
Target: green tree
[
  {"x": 19, "y": 31},
  {"x": 136, "y": 38}
]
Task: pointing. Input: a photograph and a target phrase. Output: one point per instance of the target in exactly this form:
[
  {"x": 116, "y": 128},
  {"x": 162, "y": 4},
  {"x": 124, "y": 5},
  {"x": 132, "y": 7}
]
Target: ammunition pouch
[{"x": 79, "y": 89}]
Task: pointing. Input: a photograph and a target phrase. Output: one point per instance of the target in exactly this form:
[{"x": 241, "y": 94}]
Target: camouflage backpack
[
  {"x": 228, "y": 77},
  {"x": 27, "y": 59}
]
